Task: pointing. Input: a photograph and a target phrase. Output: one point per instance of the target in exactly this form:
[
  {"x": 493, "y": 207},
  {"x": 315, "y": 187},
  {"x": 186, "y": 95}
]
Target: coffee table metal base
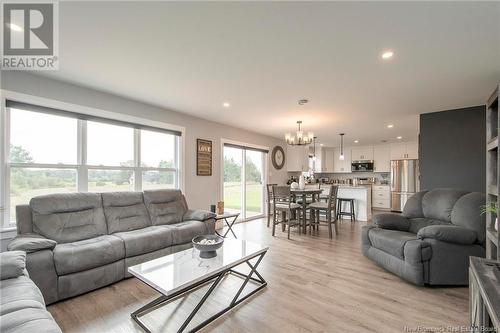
[{"x": 215, "y": 279}]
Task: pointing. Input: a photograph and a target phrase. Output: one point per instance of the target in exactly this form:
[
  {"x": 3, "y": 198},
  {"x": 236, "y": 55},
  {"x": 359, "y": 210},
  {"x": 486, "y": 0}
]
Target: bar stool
[{"x": 350, "y": 213}]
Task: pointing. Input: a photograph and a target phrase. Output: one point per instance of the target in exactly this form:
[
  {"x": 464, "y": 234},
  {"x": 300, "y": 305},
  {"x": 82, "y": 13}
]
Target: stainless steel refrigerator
[{"x": 404, "y": 182}]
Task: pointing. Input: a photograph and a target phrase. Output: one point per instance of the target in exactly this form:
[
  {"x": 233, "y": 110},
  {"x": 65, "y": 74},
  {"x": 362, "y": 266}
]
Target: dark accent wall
[{"x": 452, "y": 149}]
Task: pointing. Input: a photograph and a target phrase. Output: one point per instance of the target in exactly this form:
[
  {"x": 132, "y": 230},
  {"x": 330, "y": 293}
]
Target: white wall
[{"x": 201, "y": 191}]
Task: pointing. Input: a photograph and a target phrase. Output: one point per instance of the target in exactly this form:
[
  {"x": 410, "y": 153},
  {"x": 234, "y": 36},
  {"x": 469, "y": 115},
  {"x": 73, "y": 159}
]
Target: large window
[{"x": 57, "y": 152}]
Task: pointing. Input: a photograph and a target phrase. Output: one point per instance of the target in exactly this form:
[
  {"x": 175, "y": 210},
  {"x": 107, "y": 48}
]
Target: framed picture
[{"x": 203, "y": 157}]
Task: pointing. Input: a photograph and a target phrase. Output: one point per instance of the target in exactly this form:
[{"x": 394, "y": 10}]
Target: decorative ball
[{"x": 294, "y": 185}]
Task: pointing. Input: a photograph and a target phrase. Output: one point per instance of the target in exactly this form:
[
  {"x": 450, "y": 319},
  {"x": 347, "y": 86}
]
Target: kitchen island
[{"x": 362, "y": 195}]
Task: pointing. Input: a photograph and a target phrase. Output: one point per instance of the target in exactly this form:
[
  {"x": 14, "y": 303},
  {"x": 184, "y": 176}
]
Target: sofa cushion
[
  {"x": 125, "y": 211},
  {"x": 165, "y": 206},
  {"x": 467, "y": 213},
  {"x": 413, "y": 206},
  {"x": 185, "y": 231},
  {"x": 449, "y": 234},
  {"x": 86, "y": 254},
  {"x": 390, "y": 241},
  {"x": 68, "y": 217},
  {"x": 13, "y": 264},
  {"x": 19, "y": 293},
  {"x": 391, "y": 221},
  {"x": 31, "y": 243},
  {"x": 418, "y": 223},
  {"x": 438, "y": 204},
  {"x": 145, "y": 240},
  {"x": 29, "y": 320}
]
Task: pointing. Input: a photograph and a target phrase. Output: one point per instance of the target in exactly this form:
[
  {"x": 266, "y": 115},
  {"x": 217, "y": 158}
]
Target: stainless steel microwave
[{"x": 362, "y": 166}]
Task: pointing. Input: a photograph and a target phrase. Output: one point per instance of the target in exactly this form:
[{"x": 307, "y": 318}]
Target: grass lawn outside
[{"x": 232, "y": 197}]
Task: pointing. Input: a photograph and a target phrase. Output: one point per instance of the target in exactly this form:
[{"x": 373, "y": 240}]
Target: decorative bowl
[{"x": 207, "y": 250}]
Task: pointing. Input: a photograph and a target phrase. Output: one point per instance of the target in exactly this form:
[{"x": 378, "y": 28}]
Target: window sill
[{"x": 8, "y": 232}]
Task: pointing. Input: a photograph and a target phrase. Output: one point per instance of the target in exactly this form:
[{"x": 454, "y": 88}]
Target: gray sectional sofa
[
  {"x": 79, "y": 242},
  {"x": 22, "y": 308},
  {"x": 430, "y": 243}
]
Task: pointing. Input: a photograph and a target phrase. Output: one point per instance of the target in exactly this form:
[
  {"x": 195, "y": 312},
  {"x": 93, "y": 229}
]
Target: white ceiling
[{"x": 262, "y": 57}]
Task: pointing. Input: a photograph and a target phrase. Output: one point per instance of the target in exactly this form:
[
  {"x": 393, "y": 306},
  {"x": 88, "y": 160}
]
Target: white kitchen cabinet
[
  {"x": 316, "y": 164},
  {"x": 327, "y": 156},
  {"x": 381, "y": 196},
  {"x": 382, "y": 158},
  {"x": 297, "y": 158},
  {"x": 341, "y": 166},
  {"x": 398, "y": 151},
  {"x": 404, "y": 151},
  {"x": 362, "y": 153},
  {"x": 412, "y": 150}
]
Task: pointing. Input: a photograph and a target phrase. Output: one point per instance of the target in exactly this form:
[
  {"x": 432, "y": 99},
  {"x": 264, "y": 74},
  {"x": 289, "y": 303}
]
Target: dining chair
[
  {"x": 282, "y": 203},
  {"x": 329, "y": 208},
  {"x": 270, "y": 201},
  {"x": 325, "y": 194}
]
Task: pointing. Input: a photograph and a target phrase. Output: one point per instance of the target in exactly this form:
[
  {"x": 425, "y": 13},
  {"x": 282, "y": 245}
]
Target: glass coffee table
[{"x": 177, "y": 274}]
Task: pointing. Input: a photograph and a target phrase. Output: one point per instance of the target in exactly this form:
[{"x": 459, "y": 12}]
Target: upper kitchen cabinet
[
  {"x": 315, "y": 158},
  {"x": 341, "y": 166},
  {"x": 382, "y": 158},
  {"x": 327, "y": 156},
  {"x": 412, "y": 150},
  {"x": 297, "y": 158},
  {"x": 362, "y": 153},
  {"x": 404, "y": 151}
]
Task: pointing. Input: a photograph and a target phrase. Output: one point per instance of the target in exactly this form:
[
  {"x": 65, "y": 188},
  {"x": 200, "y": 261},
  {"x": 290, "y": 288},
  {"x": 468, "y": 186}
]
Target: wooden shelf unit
[{"x": 492, "y": 173}]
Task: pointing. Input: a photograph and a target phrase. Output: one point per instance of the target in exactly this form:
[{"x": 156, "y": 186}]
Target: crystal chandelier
[{"x": 299, "y": 139}]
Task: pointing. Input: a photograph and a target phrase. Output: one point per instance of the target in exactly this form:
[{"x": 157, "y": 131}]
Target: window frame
[{"x": 81, "y": 168}]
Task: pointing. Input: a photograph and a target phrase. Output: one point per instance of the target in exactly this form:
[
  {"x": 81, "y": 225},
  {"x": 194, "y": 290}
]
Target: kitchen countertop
[
  {"x": 364, "y": 187},
  {"x": 357, "y": 186}
]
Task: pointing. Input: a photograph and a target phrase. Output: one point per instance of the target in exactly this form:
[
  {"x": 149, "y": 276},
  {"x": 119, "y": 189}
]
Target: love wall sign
[{"x": 203, "y": 157}]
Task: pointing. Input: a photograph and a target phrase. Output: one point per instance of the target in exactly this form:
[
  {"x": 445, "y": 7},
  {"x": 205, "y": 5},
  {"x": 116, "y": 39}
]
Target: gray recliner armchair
[{"x": 431, "y": 241}]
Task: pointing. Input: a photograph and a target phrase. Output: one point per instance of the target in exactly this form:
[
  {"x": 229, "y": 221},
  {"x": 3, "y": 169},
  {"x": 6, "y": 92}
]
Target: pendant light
[
  {"x": 341, "y": 157},
  {"x": 314, "y": 148}
]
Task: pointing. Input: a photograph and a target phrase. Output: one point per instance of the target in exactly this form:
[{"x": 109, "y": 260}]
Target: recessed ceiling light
[
  {"x": 387, "y": 54},
  {"x": 356, "y": 141},
  {"x": 321, "y": 144},
  {"x": 226, "y": 104},
  {"x": 14, "y": 27},
  {"x": 390, "y": 126},
  {"x": 399, "y": 137}
]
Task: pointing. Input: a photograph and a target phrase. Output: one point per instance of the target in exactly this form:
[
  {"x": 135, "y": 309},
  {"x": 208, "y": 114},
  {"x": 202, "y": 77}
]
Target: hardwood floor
[{"x": 314, "y": 285}]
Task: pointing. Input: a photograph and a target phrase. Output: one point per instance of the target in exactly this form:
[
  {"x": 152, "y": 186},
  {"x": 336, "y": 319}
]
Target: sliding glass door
[
  {"x": 254, "y": 183},
  {"x": 233, "y": 168},
  {"x": 244, "y": 172}
]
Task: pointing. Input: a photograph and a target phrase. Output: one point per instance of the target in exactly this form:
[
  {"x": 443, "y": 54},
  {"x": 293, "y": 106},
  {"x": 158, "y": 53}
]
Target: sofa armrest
[
  {"x": 449, "y": 234},
  {"x": 198, "y": 215},
  {"x": 391, "y": 221},
  {"x": 31, "y": 243},
  {"x": 12, "y": 264}
]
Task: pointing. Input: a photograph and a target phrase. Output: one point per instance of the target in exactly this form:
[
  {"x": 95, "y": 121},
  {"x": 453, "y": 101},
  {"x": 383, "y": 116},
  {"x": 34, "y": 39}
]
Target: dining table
[{"x": 304, "y": 193}]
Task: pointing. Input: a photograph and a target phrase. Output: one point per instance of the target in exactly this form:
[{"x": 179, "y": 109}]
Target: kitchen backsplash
[{"x": 318, "y": 175}]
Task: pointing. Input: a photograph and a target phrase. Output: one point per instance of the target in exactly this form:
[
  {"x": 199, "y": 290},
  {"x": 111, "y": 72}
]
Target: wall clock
[{"x": 278, "y": 157}]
